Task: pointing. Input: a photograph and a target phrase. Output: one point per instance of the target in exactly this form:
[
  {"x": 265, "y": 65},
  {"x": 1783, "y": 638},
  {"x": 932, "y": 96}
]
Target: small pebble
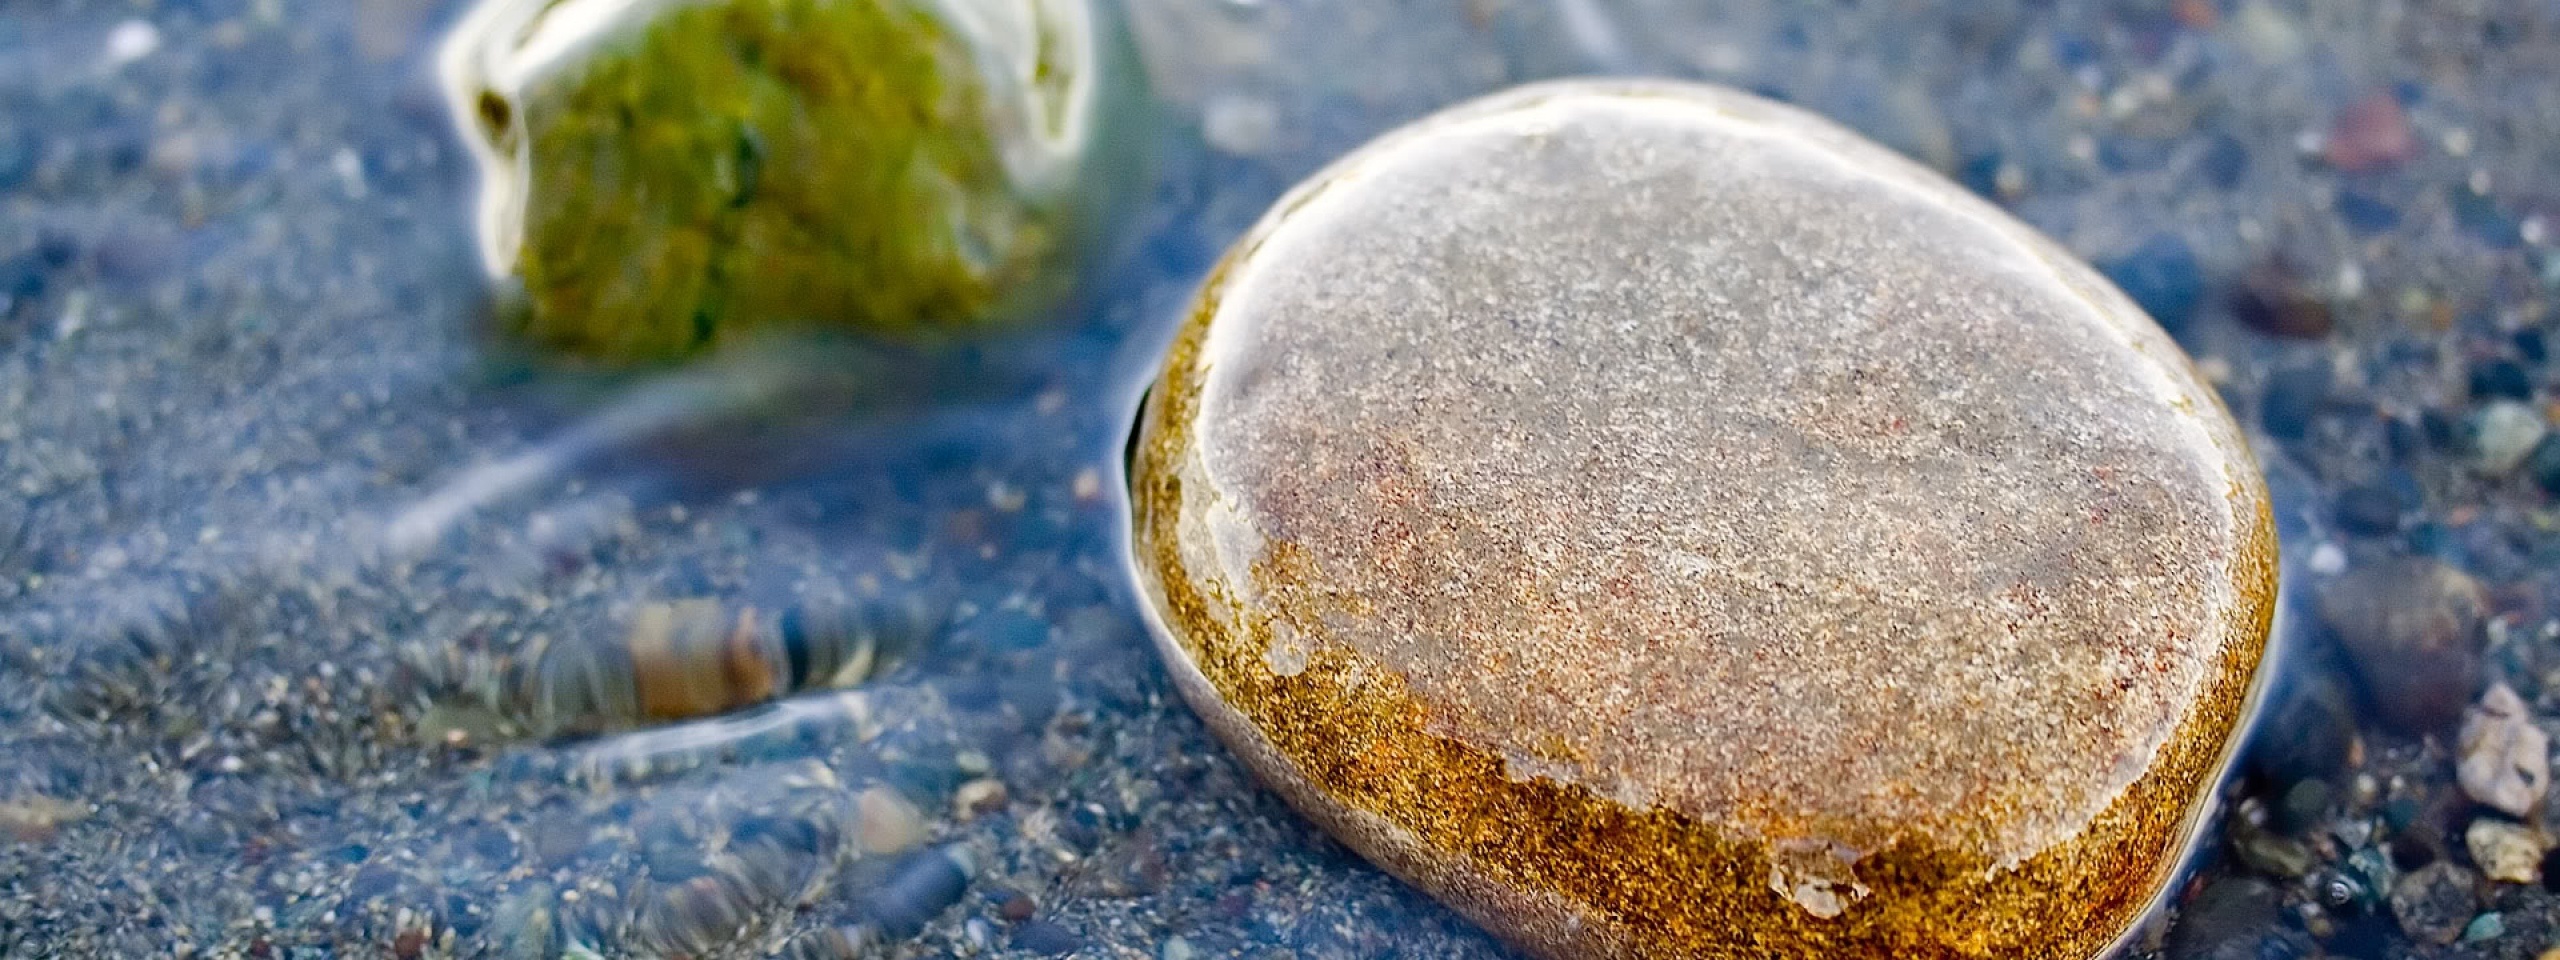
[
  {"x": 2274, "y": 300},
  {"x": 2272, "y": 853},
  {"x": 2365, "y": 212},
  {"x": 919, "y": 889},
  {"x": 2544, "y": 464},
  {"x": 2503, "y": 434},
  {"x": 130, "y": 41},
  {"x": 978, "y": 797},
  {"x": 1014, "y": 905},
  {"x": 1177, "y": 948},
  {"x": 2505, "y": 759},
  {"x": 2371, "y": 134},
  {"x": 889, "y": 824},
  {"x": 2225, "y": 161},
  {"x": 1046, "y": 939},
  {"x": 2504, "y": 850},
  {"x": 2435, "y": 903},
  {"x": 2307, "y": 734},
  {"x": 2293, "y": 396},
  {"x": 2411, "y": 628},
  {"x": 2163, "y": 276},
  {"x": 2500, "y": 380},
  {"x": 1240, "y": 124},
  {"x": 2369, "y": 511},
  {"x": 2487, "y": 926}
]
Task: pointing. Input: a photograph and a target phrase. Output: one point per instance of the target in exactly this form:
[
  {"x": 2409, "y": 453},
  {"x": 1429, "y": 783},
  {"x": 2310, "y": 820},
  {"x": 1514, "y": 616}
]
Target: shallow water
[{"x": 273, "y": 508}]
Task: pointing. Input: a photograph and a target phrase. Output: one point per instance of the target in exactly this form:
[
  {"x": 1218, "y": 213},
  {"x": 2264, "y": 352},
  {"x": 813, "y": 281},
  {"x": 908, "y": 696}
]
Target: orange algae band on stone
[{"x": 1660, "y": 523}]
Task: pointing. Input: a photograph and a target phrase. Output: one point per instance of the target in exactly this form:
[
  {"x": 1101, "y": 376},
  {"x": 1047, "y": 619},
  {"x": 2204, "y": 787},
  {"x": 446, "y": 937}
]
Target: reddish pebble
[
  {"x": 1014, "y": 906},
  {"x": 2373, "y": 134},
  {"x": 2196, "y": 14}
]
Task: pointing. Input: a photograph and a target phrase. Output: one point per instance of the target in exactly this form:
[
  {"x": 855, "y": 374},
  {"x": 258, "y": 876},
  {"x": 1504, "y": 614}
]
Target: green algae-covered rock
[
  {"x": 663, "y": 175},
  {"x": 1661, "y": 523}
]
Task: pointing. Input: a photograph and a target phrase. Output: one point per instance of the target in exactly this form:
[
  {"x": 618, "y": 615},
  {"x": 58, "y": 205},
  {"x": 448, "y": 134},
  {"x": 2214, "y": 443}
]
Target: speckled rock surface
[{"x": 1660, "y": 522}]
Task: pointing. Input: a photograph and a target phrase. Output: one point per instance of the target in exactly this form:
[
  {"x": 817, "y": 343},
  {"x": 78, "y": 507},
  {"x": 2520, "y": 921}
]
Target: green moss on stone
[{"x": 749, "y": 164}]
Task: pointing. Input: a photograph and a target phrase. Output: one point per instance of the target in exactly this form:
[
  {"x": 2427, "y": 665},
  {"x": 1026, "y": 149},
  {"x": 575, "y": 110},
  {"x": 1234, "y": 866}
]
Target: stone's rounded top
[
  {"x": 1037, "y": 63},
  {"x": 665, "y": 175},
  {"x": 1685, "y": 451}
]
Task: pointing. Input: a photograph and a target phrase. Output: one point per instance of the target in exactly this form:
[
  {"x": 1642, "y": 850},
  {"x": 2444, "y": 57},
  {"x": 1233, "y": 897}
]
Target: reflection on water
[{"x": 326, "y": 632}]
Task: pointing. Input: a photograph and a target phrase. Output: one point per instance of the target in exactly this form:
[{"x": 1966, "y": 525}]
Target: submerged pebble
[
  {"x": 661, "y": 176},
  {"x": 2411, "y": 628},
  {"x": 2435, "y": 902},
  {"x": 2505, "y": 851},
  {"x": 1600, "y": 505}
]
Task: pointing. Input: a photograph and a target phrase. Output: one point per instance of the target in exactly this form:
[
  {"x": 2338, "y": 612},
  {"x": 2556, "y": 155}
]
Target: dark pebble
[
  {"x": 2363, "y": 937},
  {"x": 2293, "y": 396},
  {"x": 2274, "y": 300},
  {"x": 2532, "y": 345},
  {"x": 2305, "y": 807},
  {"x": 2544, "y": 463},
  {"x": 22, "y": 280},
  {"x": 2406, "y": 436},
  {"x": 2306, "y": 734},
  {"x": 2365, "y": 212},
  {"x": 919, "y": 889},
  {"x": 2224, "y": 920},
  {"x": 2369, "y": 511},
  {"x": 2411, "y": 628},
  {"x": 18, "y": 158},
  {"x": 2443, "y": 431},
  {"x": 2132, "y": 154},
  {"x": 2434, "y": 903},
  {"x": 2500, "y": 379},
  {"x": 2551, "y": 870},
  {"x": 2225, "y": 161},
  {"x": 492, "y": 845},
  {"x": 1046, "y": 939},
  {"x": 1981, "y": 174},
  {"x": 2163, "y": 276},
  {"x": 2484, "y": 218}
]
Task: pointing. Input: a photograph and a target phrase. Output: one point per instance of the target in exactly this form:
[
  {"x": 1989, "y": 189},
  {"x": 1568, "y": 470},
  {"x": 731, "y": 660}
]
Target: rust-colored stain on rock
[{"x": 1660, "y": 523}]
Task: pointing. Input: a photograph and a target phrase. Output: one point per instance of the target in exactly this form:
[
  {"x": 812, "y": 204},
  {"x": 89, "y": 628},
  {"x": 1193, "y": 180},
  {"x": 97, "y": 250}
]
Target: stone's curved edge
[
  {"x": 1545, "y": 920},
  {"x": 1927, "y": 903},
  {"x": 2194, "y": 850}
]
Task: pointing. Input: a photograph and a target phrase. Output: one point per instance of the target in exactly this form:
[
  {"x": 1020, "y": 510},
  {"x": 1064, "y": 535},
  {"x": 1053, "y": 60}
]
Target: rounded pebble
[
  {"x": 889, "y": 823},
  {"x": 2411, "y": 629},
  {"x": 1658, "y": 522},
  {"x": 2435, "y": 902},
  {"x": 1043, "y": 938},
  {"x": 663, "y": 176},
  {"x": 918, "y": 890},
  {"x": 2503, "y": 434}
]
